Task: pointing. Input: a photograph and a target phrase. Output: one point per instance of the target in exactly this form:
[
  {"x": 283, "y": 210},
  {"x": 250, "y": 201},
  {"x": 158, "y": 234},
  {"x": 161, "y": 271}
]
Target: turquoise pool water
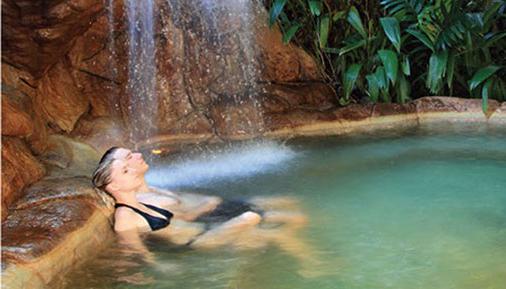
[{"x": 423, "y": 208}]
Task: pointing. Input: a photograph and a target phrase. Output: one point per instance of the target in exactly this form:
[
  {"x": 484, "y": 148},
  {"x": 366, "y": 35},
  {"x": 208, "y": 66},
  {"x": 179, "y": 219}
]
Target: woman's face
[{"x": 127, "y": 170}]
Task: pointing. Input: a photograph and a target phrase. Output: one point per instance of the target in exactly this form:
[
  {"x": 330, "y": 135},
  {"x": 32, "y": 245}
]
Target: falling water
[
  {"x": 111, "y": 43},
  {"x": 226, "y": 30},
  {"x": 141, "y": 68}
]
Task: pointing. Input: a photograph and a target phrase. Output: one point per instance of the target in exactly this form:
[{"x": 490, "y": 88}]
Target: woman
[
  {"x": 141, "y": 208},
  {"x": 190, "y": 219}
]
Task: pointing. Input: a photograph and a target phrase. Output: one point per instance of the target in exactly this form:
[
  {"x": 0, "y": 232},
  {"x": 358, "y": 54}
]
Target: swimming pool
[{"x": 420, "y": 208}]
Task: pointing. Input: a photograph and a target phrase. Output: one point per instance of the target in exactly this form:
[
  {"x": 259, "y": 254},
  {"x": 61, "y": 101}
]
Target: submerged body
[{"x": 190, "y": 219}]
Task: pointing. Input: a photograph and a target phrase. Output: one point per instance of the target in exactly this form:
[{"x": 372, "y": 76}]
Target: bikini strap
[
  {"x": 117, "y": 205},
  {"x": 168, "y": 214}
]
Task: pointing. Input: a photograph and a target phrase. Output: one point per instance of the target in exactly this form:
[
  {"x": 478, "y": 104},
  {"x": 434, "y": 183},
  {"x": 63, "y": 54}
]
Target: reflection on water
[{"x": 423, "y": 209}]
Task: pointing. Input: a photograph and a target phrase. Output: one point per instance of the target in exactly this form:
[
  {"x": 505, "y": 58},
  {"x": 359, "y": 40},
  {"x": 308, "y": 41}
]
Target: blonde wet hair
[{"x": 102, "y": 174}]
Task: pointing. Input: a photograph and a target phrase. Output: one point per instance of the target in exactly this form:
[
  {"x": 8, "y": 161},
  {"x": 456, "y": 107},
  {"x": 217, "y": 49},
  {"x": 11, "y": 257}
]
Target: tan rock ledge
[
  {"x": 59, "y": 224},
  {"x": 355, "y": 119}
]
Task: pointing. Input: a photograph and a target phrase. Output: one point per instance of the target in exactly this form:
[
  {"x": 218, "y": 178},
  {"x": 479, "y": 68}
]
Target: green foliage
[
  {"x": 394, "y": 50},
  {"x": 355, "y": 21},
  {"x": 390, "y": 62},
  {"x": 392, "y": 30},
  {"x": 350, "y": 77},
  {"x": 437, "y": 70}
]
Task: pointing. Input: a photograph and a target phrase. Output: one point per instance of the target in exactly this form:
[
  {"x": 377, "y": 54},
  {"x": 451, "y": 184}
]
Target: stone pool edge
[
  {"x": 359, "y": 119},
  {"x": 71, "y": 251}
]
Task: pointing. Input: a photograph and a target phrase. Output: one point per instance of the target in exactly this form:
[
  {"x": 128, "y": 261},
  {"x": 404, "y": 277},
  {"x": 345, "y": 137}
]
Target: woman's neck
[
  {"x": 127, "y": 198},
  {"x": 130, "y": 197}
]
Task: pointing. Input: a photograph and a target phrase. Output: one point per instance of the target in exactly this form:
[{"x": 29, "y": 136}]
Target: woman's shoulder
[{"x": 125, "y": 219}]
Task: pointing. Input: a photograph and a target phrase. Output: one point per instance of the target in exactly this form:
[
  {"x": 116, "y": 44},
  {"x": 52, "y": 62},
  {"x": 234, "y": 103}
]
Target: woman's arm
[
  {"x": 131, "y": 242},
  {"x": 184, "y": 206}
]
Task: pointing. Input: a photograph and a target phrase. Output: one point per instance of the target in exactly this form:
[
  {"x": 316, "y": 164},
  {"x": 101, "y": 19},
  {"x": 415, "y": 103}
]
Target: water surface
[{"x": 424, "y": 208}]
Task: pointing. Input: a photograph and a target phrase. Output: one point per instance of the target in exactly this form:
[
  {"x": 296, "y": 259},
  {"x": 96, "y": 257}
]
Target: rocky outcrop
[
  {"x": 201, "y": 74},
  {"x": 19, "y": 91},
  {"x": 66, "y": 157},
  {"x": 37, "y": 34},
  {"x": 102, "y": 133},
  {"x": 15, "y": 122},
  {"x": 19, "y": 169},
  {"x": 60, "y": 99},
  {"x": 59, "y": 223},
  {"x": 368, "y": 118}
]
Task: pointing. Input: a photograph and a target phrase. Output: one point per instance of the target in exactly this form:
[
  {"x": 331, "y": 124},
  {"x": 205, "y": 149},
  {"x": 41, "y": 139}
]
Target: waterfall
[
  {"x": 223, "y": 33},
  {"x": 226, "y": 40},
  {"x": 142, "y": 70}
]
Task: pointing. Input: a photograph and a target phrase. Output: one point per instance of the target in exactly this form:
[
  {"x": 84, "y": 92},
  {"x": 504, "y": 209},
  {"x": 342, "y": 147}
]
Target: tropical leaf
[
  {"x": 315, "y": 6},
  {"x": 437, "y": 69},
  {"x": 491, "y": 14},
  {"x": 450, "y": 71},
  {"x": 422, "y": 37},
  {"x": 390, "y": 62},
  {"x": 485, "y": 95},
  {"x": 352, "y": 46},
  {"x": 350, "y": 77},
  {"x": 481, "y": 75},
  {"x": 324, "y": 30},
  {"x": 276, "y": 8},
  {"x": 383, "y": 83},
  {"x": 381, "y": 77},
  {"x": 290, "y": 33},
  {"x": 355, "y": 21},
  {"x": 372, "y": 87},
  {"x": 405, "y": 65},
  {"x": 404, "y": 10},
  {"x": 403, "y": 89},
  {"x": 392, "y": 30}
]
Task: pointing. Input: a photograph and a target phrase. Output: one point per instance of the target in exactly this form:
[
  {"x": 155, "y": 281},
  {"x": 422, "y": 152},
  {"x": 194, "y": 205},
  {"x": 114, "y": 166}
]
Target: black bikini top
[{"x": 155, "y": 223}]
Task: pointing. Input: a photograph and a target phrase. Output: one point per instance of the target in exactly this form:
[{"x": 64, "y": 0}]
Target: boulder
[
  {"x": 37, "y": 34},
  {"x": 98, "y": 69},
  {"x": 19, "y": 169},
  {"x": 281, "y": 62},
  {"x": 101, "y": 133},
  {"x": 60, "y": 99},
  {"x": 58, "y": 224},
  {"x": 67, "y": 157},
  {"x": 59, "y": 189},
  {"x": 309, "y": 96},
  {"x": 19, "y": 89},
  {"x": 15, "y": 122}
]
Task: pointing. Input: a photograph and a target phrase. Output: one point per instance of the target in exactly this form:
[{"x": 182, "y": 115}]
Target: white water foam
[{"x": 236, "y": 162}]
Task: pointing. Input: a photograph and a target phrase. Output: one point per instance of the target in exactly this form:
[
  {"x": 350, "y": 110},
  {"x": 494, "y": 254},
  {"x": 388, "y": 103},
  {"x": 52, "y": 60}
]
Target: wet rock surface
[
  {"x": 57, "y": 223},
  {"x": 59, "y": 189},
  {"x": 36, "y": 34},
  {"x": 19, "y": 89},
  {"x": 66, "y": 157},
  {"x": 33, "y": 231},
  {"x": 15, "y": 122},
  {"x": 19, "y": 169},
  {"x": 102, "y": 133},
  {"x": 60, "y": 99}
]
